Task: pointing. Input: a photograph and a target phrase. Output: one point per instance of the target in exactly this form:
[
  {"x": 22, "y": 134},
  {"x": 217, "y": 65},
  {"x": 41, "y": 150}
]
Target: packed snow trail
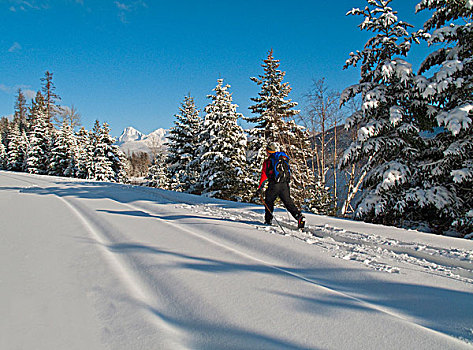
[{"x": 98, "y": 265}]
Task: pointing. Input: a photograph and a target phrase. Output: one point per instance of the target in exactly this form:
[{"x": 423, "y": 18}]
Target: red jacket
[{"x": 265, "y": 172}]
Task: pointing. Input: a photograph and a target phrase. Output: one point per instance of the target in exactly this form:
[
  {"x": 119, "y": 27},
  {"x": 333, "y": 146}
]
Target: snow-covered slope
[
  {"x": 132, "y": 140},
  {"x": 91, "y": 265}
]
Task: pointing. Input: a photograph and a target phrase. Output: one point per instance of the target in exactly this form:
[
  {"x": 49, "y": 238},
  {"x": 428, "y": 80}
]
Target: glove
[{"x": 259, "y": 191}]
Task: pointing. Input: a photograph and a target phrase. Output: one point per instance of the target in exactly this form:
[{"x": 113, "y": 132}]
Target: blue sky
[{"x": 130, "y": 63}]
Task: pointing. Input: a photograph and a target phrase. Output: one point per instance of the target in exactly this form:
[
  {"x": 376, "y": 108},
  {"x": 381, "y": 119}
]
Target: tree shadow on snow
[{"x": 436, "y": 308}]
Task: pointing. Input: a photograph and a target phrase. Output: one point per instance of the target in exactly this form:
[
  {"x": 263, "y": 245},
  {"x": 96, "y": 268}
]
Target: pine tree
[
  {"x": 397, "y": 188},
  {"x": 16, "y": 152},
  {"x": 223, "y": 148},
  {"x": 50, "y": 97},
  {"x": 83, "y": 154},
  {"x": 271, "y": 110},
  {"x": 3, "y": 154},
  {"x": 108, "y": 161},
  {"x": 183, "y": 170},
  {"x": 63, "y": 161},
  {"x": 319, "y": 201},
  {"x": 449, "y": 92},
  {"x": 21, "y": 111},
  {"x": 157, "y": 176},
  {"x": 274, "y": 119},
  {"x": 37, "y": 156},
  {"x": 38, "y": 108},
  {"x": 101, "y": 163}
]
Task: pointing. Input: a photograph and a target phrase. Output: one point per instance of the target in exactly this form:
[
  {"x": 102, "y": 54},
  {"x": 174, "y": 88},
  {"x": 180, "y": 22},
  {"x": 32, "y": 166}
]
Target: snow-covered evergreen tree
[
  {"x": 3, "y": 155},
  {"x": 21, "y": 110},
  {"x": 108, "y": 160},
  {"x": 83, "y": 154},
  {"x": 183, "y": 169},
  {"x": 38, "y": 108},
  {"x": 15, "y": 153},
  {"x": 63, "y": 161},
  {"x": 50, "y": 98},
  {"x": 223, "y": 148},
  {"x": 388, "y": 140},
  {"x": 38, "y": 154},
  {"x": 412, "y": 174},
  {"x": 449, "y": 91},
  {"x": 319, "y": 200},
  {"x": 271, "y": 109},
  {"x": 101, "y": 162},
  {"x": 274, "y": 118},
  {"x": 157, "y": 176}
]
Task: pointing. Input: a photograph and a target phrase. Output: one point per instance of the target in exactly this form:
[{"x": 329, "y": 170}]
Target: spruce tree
[
  {"x": 157, "y": 176},
  {"x": 183, "y": 171},
  {"x": 37, "y": 156},
  {"x": 108, "y": 161},
  {"x": 274, "y": 118},
  {"x": 63, "y": 161},
  {"x": 21, "y": 111},
  {"x": 50, "y": 97},
  {"x": 3, "y": 155},
  {"x": 223, "y": 148},
  {"x": 16, "y": 152},
  {"x": 38, "y": 107},
  {"x": 101, "y": 162},
  {"x": 449, "y": 163},
  {"x": 397, "y": 189},
  {"x": 83, "y": 154},
  {"x": 271, "y": 110}
]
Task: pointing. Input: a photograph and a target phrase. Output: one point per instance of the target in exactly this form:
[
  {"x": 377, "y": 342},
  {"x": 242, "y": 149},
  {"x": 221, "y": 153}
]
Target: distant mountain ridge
[
  {"x": 130, "y": 134},
  {"x": 132, "y": 140}
]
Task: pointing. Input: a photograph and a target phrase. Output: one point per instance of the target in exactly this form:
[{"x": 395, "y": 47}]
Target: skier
[{"x": 276, "y": 172}]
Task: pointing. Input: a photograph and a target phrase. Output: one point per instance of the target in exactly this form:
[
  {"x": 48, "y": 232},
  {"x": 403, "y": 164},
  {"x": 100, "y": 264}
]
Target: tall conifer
[
  {"x": 183, "y": 147},
  {"x": 223, "y": 148}
]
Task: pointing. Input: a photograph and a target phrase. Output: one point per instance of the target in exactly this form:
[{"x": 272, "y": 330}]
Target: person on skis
[{"x": 276, "y": 172}]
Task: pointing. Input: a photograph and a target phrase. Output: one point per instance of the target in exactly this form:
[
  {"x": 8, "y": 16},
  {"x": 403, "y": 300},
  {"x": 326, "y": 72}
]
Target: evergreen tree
[
  {"x": 274, "y": 119},
  {"x": 63, "y": 161},
  {"x": 320, "y": 200},
  {"x": 120, "y": 164},
  {"x": 223, "y": 148},
  {"x": 37, "y": 156},
  {"x": 388, "y": 133},
  {"x": 16, "y": 152},
  {"x": 38, "y": 108},
  {"x": 21, "y": 111},
  {"x": 395, "y": 116},
  {"x": 157, "y": 176},
  {"x": 3, "y": 154},
  {"x": 108, "y": 162},
  {"x": 83, "y": 154},
  {"x": 272, "y": 106},
  {"x": 101, "y": 162},
  {"x": 183, "y": 170},
  {"x": 449, "y": 91},
  {"x": 271, "y": 110},
  {"x": 4, "y": 129},
  {"x": 50, "y": 97}
]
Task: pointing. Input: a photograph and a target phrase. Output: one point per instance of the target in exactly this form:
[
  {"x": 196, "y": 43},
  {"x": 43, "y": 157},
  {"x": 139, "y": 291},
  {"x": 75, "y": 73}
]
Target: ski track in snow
[
  {"x": 376, "y": 252},
  {"x": 373, "y": 251}
]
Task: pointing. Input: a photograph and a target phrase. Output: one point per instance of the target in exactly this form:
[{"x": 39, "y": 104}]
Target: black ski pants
[{"x": 281, "y": 190}]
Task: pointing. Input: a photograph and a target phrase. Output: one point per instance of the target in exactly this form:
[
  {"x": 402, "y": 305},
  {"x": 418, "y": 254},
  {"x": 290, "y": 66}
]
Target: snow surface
[{"x": 95, "y": 265}]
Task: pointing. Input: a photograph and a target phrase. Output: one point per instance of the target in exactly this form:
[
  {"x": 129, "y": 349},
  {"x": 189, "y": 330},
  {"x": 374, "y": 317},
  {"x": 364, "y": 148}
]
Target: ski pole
[{"x": 262, "y": 200}]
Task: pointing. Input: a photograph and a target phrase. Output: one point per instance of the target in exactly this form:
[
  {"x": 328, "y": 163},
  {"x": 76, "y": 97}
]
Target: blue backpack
[{"x": 280, "y": 167}]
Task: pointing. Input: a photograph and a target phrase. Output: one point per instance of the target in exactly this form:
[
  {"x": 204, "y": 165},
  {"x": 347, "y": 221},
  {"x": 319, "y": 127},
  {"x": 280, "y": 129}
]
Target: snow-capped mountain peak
[
  {"x": 130, "y": 134},
  {"x": 132, "y": 140}
]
